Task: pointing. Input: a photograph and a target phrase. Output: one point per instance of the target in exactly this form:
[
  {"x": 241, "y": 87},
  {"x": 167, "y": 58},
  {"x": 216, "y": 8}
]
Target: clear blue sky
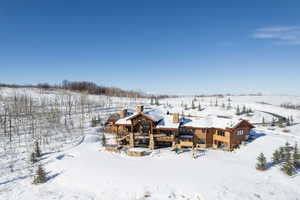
[{"x": 171, "y": 46}]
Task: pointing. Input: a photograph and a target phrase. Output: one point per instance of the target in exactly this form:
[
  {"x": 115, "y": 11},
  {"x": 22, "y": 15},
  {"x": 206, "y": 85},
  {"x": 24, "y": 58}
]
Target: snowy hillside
[{"x": 78, "y": 167}]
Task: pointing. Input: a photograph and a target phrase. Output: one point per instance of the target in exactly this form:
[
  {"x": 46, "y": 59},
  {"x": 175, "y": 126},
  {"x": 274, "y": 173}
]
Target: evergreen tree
[
  {"x": 193, "y": 105},
  {"x": 156, "y": 102},
  {"x": 185, "y": 107},
  {"x": 273, "y": 122},
  {"x": 33, "y": 158},
  {"x": 228, "y": 106},
  {"x": 263, "y": 121},
  {"x": 281, "y": 154},
  {"x": 216, "y": 104},
  {"x": 288, "y": 166},
  {"x": 288, "y": 121},
  {"x": 38, "y": 152},
  {"x": 238, "y": 112},
  {"x": 296, "y": 156},
  {"x": 244, "y": 109},
  {"x": 223, "y": 105},
  {"x": 199, "y": 107},
  {"x": 261, "y": 162},
  {"x": 287, "y": 148},
  {"x": 40, "y": 176},
  {"x": 151, "y": 101},
  {"x": 103, "y": 140},
  {"x": 276, "y": 158}
]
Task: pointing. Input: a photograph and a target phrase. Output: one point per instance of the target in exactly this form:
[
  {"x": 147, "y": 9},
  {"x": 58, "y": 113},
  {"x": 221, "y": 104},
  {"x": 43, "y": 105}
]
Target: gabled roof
[
  {"x": 244, "y": 122},
  {"x": 151, "y": 115}
]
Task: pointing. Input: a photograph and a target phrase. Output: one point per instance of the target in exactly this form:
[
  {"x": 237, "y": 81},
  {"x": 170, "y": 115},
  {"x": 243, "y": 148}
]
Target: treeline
[
  {"x": 83, "y": 86},
  {"x": 93, "y": 88},
  {"x": 290, "y": 106},
  {"x": 228, "y": 94},
  {"x": 90, "y": 88}
]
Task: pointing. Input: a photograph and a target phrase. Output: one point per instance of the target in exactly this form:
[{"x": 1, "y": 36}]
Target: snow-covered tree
[
  {"x": 296, "y": 156},
  {"x": 228, "y": 106},
  {"x": 276, "y": 158},
  {"x": 263, "y": 121},
  {"x": 223, "y": 105},
  {"x": 216, "y": 103},
  {"x": 238, "y": 112},
  {"x": 199, "y": 107},
  {"x": 33, "y": 158},
  {"x": 261, "y": 162},
  {"x": 156, "y": 102},
  {"x": 40, "y": 176},
  {"x": 193, "y": 105},
  {"x": 38, "y": 152},
  {"x": 244, "y": 109},
  {"x": 287, "y": 166},
  {"x": 151, "y": 101},
  {"x": 281, "y": 153},
  {"x": 288, "y": 121}
]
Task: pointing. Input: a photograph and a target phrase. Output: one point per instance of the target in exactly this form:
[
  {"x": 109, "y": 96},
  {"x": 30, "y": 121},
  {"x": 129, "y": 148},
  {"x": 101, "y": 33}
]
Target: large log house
[{"x": 153, "y": 129}]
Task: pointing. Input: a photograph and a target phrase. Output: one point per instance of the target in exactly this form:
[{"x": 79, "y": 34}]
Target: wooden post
[
  {"x": 173, "y": 142},
  {"x": 151, "y": 142},
  {"x": 131, "y": 140},
  {"x": 117, "y": 141}
]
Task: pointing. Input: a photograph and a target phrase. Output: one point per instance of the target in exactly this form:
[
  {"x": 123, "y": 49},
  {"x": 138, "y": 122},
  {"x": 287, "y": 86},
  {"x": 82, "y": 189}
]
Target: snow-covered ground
[{"x": 84, "y": 170}]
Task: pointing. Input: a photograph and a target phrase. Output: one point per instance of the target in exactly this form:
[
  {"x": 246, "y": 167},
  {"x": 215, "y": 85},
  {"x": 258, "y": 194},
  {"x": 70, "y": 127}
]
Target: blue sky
[{"x": 169, "y": 46}]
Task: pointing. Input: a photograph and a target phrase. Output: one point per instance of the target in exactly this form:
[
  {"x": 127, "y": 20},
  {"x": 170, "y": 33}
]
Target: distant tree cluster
[
  {"x": 154, "y": 100},
  {"x": 290, "y": 106},
  {"x": 243, "y": 110}
]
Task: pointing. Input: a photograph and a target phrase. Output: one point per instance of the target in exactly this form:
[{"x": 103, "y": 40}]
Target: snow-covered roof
[
  {"x": 167, "y": 122},
  {"x": 212, "y": 122},
  {"x": 124, "y": 121},
  {"x": 154, "y": 115},
  {"x": 151, "y": 114}
]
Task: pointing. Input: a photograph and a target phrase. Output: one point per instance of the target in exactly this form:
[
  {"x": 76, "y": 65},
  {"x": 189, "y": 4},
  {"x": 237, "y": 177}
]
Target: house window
[
  {"x": 221, "y": 133},
  {"x": 204, "y": 130},
  {"x": 240, "y": 132}
]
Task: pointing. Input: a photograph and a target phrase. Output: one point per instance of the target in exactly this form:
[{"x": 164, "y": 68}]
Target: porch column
[
  {"x": 151, "y": 142},
  {"x": 173, "y": 140},
  {"x": 131, "y": 140}
]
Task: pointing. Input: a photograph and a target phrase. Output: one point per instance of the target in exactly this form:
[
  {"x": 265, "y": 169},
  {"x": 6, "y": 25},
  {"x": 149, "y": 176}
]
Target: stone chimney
[
  {"x": 175, "y": 117},
  {"x": 139, "y": 108},
  {"x": 123, "y": 113}
]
